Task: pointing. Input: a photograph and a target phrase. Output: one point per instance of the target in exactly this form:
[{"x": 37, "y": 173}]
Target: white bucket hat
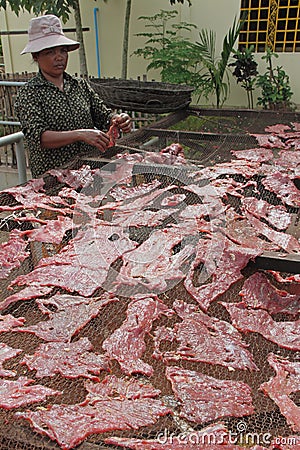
[{"x": 45, "y": 32}]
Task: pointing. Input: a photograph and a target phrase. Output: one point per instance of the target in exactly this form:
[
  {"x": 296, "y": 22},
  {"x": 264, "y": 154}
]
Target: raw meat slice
[
  {"x": 7, "y": 352},
  {"x": 268, "y": 141},
  {"x": 222, "y": 262},
  {"x": 285, "y": 241},
  {"x": 71, "y": 360},
  {"x": 112, "y": 387},
  {"x": 173, "y": 200},
  {"x": 12, "y": 253},
  {"x": 283, "y": 187},
  {"x": 127, "y": 344},
  {"x": 240, "y": 167},
  {"x": 82, "y": 265},
  {"x": 33, "y": 196},
  {"x": 296, "y": 126},
  {"x": 126, "y": 209},
  {"x": 284, "y": 334},
  {"x": 9, "y": 323},
  {"x": 27, "y": 293},
  {"x": 124, "y": 192},
  {"x": 75, "y": 178},
  {"x": 289, "y": 158},
  {"x": 20, "y": 392},
  {"x": 164, "y": 158},
  {"x": 53, "y": 232},
  {"x": 147, "y": 218},
  {"x": 69, "y": 320},
  {"x": 225, "y": 186},
  {"x": 69, "y": 425},
  {"x": 241, "y": 232},
  {"x": 173, "y": 149},
  {"x": 254, "y": 154},
  {"x": 278, "y": 128},
  {"x": 278, "y": 388},
  {"x": 277, "y": 216},
  {"x": 204, "y": 398},
  {"x": 152, "y": 264},
  {"x": 206, "y": 339},
  {"x": 259, "y": 293}
]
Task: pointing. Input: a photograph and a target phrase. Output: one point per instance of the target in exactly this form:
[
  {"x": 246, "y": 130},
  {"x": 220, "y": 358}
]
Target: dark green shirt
[{"x": 41, "y": 106}]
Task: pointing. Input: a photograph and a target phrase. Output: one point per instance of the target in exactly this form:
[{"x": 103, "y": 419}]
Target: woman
[{"x": 61, "y": 116}]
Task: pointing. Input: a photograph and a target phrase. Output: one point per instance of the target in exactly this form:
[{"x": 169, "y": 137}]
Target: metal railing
[{"x": 18, "y": 139}]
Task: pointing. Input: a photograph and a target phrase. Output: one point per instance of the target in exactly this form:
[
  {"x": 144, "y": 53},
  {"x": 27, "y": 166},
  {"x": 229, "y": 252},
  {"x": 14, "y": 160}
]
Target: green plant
[
  {"x": 275, "y": 87},
  {"x": 216, "y": 67},
  {"x": 167, "y": 51},
  {"x": 245, "y": 71}
]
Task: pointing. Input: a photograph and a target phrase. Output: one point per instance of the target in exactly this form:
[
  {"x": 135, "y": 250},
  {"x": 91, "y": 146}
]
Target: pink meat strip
[
  {"x": 6, "y": 353},
  {"x": 71, "y": 361},
  {"x": 204, "y": 398},
  {"x": 173, "y": 149},
  {"x": 246, "y": 320},
  {"x": 283, "y": 187},
  {"x": 113, "y": 134},
  {"x": 52, "y": 232},
  {"x": 268, "y": 141},
  {"x": 9, "y": 323},
  {"x": 289, "y": 158},
  {"x": 127, "y": 343},
  {"x": 259, "y": 293},
  {"x": 69, "y": 319},
  {"x": 83, "y": 264},
  {"x": 277, "y": 129},
  {"x": 112, "y": 387},
  {"x": 148, "y": 218},
  {"x": 254, "y": 154},
  {"x": 285, "y": 241},
  {"x": 241, "y": 232},
  {"x": 12, "y": 253},
  {"x": 223, "y": 262},
  {"x": 278, "y": 388},
  {"x": 33, "y": 196},
  {"x": 204, "y": 339},
  {"x": 69, "y": 425},
  {"x": 25, "y": 294},
  {"x": 74, "y": 178},
  {"x": 276, "y": 216},
  {"x": 240, "y": 167},
  {"x": 153, "y": 263},
  {"x": 124, "y": 192},
  {"x": 20, "y": 392}
]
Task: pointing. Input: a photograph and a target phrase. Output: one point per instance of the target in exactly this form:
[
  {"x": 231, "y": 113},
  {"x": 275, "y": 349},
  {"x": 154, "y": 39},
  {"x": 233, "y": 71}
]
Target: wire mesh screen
[{"x": 133, "y": 312}]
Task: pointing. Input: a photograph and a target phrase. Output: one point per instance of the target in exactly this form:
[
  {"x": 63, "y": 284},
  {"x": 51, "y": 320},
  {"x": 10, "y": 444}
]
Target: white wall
[{"x": 216, "y": 15}]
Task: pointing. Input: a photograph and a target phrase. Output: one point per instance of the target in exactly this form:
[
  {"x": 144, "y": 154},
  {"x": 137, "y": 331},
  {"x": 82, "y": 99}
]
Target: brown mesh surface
[{"x": 208, "y": 146}]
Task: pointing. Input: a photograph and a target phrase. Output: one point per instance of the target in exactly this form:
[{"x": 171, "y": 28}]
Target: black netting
[{"x": 105, "y": 193}]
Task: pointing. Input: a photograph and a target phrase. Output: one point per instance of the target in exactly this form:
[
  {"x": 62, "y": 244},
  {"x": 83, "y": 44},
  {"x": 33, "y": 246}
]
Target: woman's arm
[{"x": 56, "y": 139}]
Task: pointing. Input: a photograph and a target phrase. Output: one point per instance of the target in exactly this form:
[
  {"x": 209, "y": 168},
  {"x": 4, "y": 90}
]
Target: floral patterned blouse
[{"x": 41, "y": 106}]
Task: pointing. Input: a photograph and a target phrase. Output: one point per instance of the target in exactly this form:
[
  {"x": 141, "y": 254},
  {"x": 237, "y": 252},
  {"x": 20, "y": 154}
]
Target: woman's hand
[
  {"x": 122, "y": 121},
  {"x": 96, "y": 138}
]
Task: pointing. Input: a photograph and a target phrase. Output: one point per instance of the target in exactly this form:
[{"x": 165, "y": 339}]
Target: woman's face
[{"x": 52, "y": 61}]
